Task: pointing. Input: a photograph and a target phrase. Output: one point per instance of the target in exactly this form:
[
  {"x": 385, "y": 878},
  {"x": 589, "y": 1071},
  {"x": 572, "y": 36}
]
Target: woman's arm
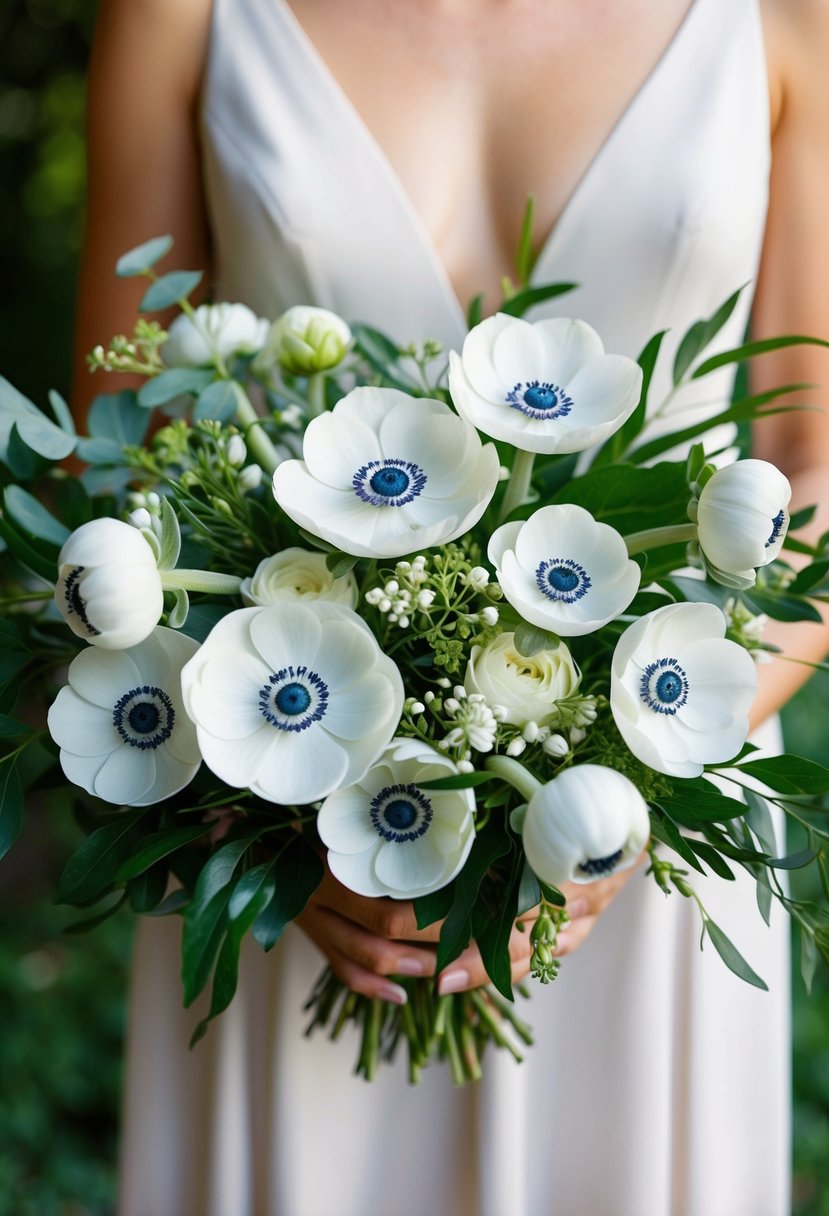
[
  {"x": 793, "y": 297},
  {"x": 143, "y": 162}
]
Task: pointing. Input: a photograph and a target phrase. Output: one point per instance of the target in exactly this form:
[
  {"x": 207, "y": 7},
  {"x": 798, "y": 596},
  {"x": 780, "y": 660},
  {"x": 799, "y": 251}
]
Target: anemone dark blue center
[
  {"x": 541, "y": 397},
  {"x": 664, "y": 686},
  {"x": 75, "y": 605},
  {"x": 400, "y": 814},
  {"x": 143, "y": 717},
  {"x": 292, "y": 699},
  {"x": 776, "y": 528},
  {"x": 562, "y": 579},
  {"x": 669, "y": 687},
  {"x": 601, "y": 865},
  {"x": 390, "y": 482}
]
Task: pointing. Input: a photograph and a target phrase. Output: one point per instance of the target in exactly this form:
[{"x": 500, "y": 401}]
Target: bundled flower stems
[{"x": 456, "y": 622}]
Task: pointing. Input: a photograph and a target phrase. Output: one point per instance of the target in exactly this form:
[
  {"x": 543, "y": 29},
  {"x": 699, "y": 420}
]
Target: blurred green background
[{"x": 62, "y": 997}]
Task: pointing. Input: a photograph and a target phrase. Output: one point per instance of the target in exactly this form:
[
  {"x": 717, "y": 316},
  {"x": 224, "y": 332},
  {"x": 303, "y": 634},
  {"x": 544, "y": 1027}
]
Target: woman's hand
[{"x": 368, "y": 940}]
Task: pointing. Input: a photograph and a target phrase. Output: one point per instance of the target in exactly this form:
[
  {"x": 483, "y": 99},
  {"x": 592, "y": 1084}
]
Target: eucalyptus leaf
[
  {"x": 140, "y": 259},
  {"x": 21, "y": 416},
  {"x": 169, "y": 289},
  {"x": 793, "y": 861},
  {"x": 173, "y": 383},
  {"x": 32, "y": 516},
  {"x": 662, "y": 829},
  {"x": 808, "y": 957},
  {"x": 712, "y": 857},
  {"x": 116, "y": 416},
  {"x": 62, "y": 412},
  {"x": 339, "y": 564},
  {"x": 731, "y": 956},
  {"x": 217, "y": 402},
  {"x": 26, "y": 551},
  {"x": 529, "y": 639}
]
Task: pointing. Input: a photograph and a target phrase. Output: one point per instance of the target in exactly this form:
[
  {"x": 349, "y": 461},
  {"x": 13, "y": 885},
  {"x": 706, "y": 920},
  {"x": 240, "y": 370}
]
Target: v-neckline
[{"x": 372, "y": 146}]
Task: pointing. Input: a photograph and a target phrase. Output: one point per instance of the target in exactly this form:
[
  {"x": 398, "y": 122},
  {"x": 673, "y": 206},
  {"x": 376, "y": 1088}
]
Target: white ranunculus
[
  {"x": 109, "y": 588},
  {"x": 742, "y": 518},
  {"x": 305, "y": 340},
  {"x": 385, "y": 474},
  {"x": 216, "y": 331},
  {"x": 585, "y": 824},
  {"x": 120, "y": 722},
  {"x": 680, "y": 691},
  {"x": 543, "y": 386},
  {"x": 297, "y": 574},
  {"x": 527, "y": 689},
  {"x": 563, "y": 570},
  {"x": 386, "y": 836},
  {"x": 293, "y": 700}
]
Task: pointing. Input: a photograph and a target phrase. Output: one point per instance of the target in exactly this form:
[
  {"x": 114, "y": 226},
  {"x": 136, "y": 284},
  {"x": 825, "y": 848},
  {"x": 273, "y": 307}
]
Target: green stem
[
  {"x": 200, "y": 580},
  {"x": 653, "y": 538},
  {"x": 515, "y": 774},
  {"x": 249, "y": 422},
  {"x": 26, "y": 597},
  {"x": 316, "y": 394},
  {"x": 518, "y": 486}
]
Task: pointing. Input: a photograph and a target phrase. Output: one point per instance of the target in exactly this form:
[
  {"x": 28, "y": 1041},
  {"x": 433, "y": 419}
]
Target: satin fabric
[{"x": 658, "y": 1085}]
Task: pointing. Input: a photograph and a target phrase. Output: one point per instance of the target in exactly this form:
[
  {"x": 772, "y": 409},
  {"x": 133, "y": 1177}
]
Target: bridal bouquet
[{"x": 459, "y": 627}]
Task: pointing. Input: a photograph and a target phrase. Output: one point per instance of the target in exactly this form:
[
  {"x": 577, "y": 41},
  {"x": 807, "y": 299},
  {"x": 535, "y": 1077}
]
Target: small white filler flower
[
  {"x": 108, "y": 588},
  {"x": 680, "y": 691},
  {"x": 543, "y": 386},
  {"x": 120, "y": 722},
  {"x": 742, "y": 517},
  {"x": 293, "y": 700},
  {"x": 385, "y": 474},
  {"x": 587, "y": 823},
  {"x": 563, "y": 570},
  {"x": 386, "y": 836},
  {"x": 215, "y": 331},
  {"x": 305, "y": 340},
  {"x": 526, "y": 689},
  {"x": 297, "y": 574}
]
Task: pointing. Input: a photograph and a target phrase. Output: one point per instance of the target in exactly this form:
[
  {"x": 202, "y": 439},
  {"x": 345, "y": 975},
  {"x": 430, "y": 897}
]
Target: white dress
[{"x": 659, "y": 1083}]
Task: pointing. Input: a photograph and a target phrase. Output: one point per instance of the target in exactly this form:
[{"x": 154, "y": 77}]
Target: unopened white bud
[
  {"x": 417, "y": 707},
  {"x": 384, "y": 604},
  {"x": 516, "y": 747},
  {"x": 451, "y": 705},
  {"x": 425, "y": 598},
  {"x": 577, "y": 735},
  {"x": 403, "y": 622},
  {"x": 429, "y": 697},
  {"x": 236, "y": 452},
  {"x": 556, "y": 745},
  {"x": 466, "y": 766},
  {"x": 478, "y": 578},
  {"x": 153, "y": 500},
  {"x": 392, "y": 587},
  {"x": 442, "y": 682},
  {"x": 250, "y": 478},
  {"x": 499, "y": 713},
  {"x": 140, "y": 518},
  {"x": 530, "y": 732},
  {"x": 489, "y": 615}
]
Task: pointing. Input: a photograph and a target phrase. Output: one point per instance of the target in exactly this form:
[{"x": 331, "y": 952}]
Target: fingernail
[
  {"x": 577, "y": 908},
  {"x": 453, "y": 981},
  {"x": 410, "y": 966},
  {"x": 393, "y": 993}
]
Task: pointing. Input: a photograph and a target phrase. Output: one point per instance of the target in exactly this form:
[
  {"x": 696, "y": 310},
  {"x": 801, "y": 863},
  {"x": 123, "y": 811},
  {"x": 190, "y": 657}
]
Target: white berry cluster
[{"x": 404, "y": 595}]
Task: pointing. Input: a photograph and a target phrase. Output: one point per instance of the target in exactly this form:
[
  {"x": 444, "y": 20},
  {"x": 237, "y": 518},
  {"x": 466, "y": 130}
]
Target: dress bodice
[{"x": 665, "y": 223}]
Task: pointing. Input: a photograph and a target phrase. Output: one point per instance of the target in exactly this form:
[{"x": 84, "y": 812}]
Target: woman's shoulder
[
  {"x": 797, "y": 45},
  {"x": 170, "y": 37}
]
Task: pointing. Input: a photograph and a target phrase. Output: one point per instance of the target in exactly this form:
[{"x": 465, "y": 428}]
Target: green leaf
[
  {"x": 142, "y": 257},
  {"x": 381, "y": 353},
  {"x": 523, "y": 301},
  {"x": 457, "y": 781},
  {"x": 618, "y": 443},
  {"x": 662, "y": 829},
  {"x": 27, "y": 551},
  {"x": 529, "y": 891},
  {"x": 699, "y": 590},
  {"x": 206, "y": 916},
  {"x": 62, "y": 412},
  {"x": 808, "y": 577},
  {"x": 93, "y": 866},
  {"x": 218, "y": 401},
  {"x": 11, "y": 805},
  {"x": 808, "y": 958},
  {"x": 750, "y": 349},
  {"x": 177, "y": 615},
  {"x": 11, "y": 728},
  {"x": 20, "y": 419},
  {"x": 529, "y": 639},
  {"x": 713, "y": 858},
  {"x": 146, "y": 890},
  {"x": 475, "y": 311},
  {"x": 781, "y": 606},
  {"x": 92, "y": 922},
  {"x": 696, "y": 801},
  {"x": 434, "y": 906},
  {"x": 339, "y": 564},
  {"x": 701, "y": 334},
  {"x": 731, "y": 956},
  {"x": 297, "y": 873},
  {"x": 493, "y": 937},
  {"x": 169, "y": 290},
  {"x": 789, "y": 774},
  {"x": 631, "y": 499},
  {"x": 174, "y": 383},
  {"x": 116, "y": 417},
  {"x": 491, "y": 843},
  {"x": 793, "y": 861},
  {"x": 760, "y": 822},
  {"x": 32, "y": 516},
  {"x": 524, "y": 256},
  {"x": 170, "y": 536},
  {"x": 157, "y": 845},
  {"x": 173, "y": 903}
]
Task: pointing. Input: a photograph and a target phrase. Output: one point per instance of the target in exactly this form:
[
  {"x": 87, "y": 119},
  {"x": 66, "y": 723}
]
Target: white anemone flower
[
  {"x": 292, "y": 700},
  {"x": 563, "y": 570},
  {"x": 587, "y": 823},
  {"x": 543, "y": 386},
  {"x": 109, "y": 588},
  {"x": 680, "y": 690},
  {"x": 526, "y": 689},
  {"x": 387, "y": 836},
  {"x": 742, "y": 517},
  {"x": 297, "y": 574},
  {"x": 385, "y": 474},
  {"x": 214, "y": 332},
  {"x": 120, "y": 722},
  {"x": 305, "y": 340}
]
